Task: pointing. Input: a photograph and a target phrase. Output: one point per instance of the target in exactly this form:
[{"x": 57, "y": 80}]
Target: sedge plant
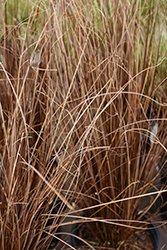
[{"x": 82, "y": 83}]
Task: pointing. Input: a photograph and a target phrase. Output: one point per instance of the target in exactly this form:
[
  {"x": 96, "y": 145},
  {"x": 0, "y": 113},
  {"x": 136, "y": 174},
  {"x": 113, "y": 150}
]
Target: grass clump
[{"x": 81, "y": 86}]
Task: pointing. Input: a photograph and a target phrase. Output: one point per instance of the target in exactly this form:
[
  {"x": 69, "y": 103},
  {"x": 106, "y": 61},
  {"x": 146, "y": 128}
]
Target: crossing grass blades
[{"x": 77, "y": 146}]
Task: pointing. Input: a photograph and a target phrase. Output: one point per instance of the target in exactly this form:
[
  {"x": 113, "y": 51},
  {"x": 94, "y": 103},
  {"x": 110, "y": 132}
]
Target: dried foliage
[{"x": 82, "y": 85}]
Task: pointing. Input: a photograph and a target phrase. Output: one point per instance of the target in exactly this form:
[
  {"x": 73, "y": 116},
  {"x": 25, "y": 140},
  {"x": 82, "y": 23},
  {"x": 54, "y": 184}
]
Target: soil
[{"x": 139, "y": 241}]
